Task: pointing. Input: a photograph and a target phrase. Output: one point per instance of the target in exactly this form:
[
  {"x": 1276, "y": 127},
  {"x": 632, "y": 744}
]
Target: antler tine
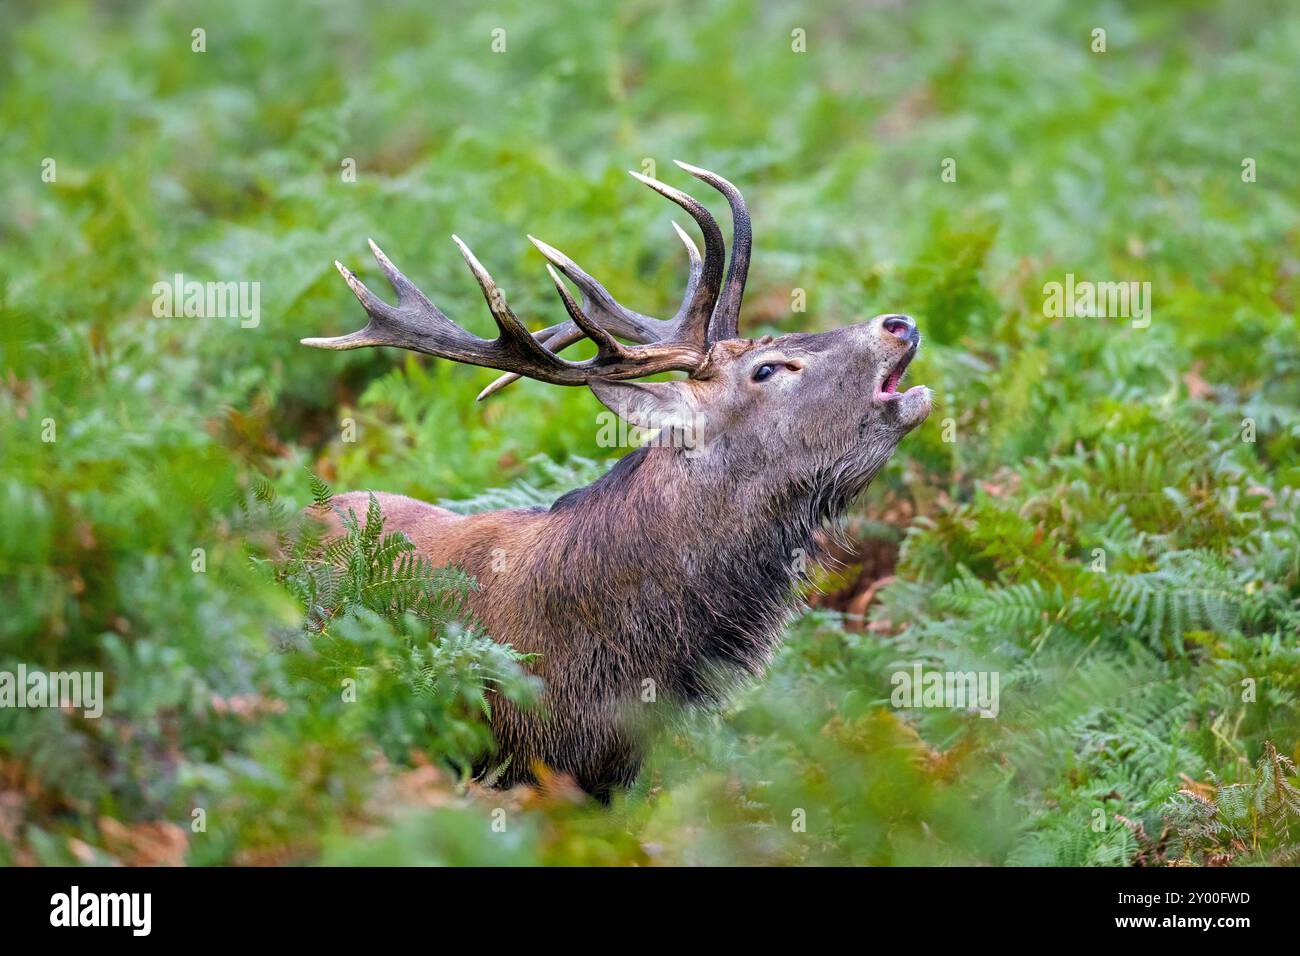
[
  {"x": 615, "y": 317},
  {"x": 693, "y": 276},
  {"x": 388, "y": 325},
  {"x": 596, "y": 298},
  {"x": 512, "y": 330},
  {"x": 606, "y": 344},
  {"x": 725, "y": 323},
  {"x": 362, "y": 337},
  {"x": 406, "y": 289},
  {"x": 693, "y": 325},
  {"x": 619, "y": 319}
]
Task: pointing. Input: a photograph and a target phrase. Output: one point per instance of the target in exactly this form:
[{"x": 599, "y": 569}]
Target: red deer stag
[{"x": 681, "y": 564}]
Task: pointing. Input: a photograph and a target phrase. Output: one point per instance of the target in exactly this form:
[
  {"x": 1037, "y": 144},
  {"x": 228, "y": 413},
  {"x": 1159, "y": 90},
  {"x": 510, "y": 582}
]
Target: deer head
[{"x": 819, "y": 412}]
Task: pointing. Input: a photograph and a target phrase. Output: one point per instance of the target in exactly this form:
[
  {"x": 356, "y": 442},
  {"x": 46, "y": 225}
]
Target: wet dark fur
[
  {"x": 667, "y": 600},
  {"x": 676, "y": 570}
]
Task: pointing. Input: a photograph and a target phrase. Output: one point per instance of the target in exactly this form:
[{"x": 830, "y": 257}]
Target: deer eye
[{"x": 763, "y": 371}]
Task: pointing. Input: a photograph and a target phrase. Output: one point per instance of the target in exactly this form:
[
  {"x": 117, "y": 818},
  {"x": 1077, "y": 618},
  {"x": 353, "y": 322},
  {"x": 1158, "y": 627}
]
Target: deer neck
[{"x": 681, "y": 565}]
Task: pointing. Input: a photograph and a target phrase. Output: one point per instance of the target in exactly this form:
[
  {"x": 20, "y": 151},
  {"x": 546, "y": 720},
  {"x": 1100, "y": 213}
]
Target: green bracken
[{"x": 1104, "y": 515}]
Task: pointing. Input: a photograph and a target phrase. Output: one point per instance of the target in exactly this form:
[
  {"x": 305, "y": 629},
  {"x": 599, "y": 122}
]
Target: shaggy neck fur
[
  {"x": 694, "y": 587},
  {"x": 666, "y": 582}
]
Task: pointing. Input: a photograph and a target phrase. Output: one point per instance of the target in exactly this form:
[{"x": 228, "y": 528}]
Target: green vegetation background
[{"x": 1148, "y": 712}]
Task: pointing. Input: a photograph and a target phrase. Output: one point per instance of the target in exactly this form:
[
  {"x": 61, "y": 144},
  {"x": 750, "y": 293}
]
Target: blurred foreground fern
[{"x": 376, "y": 614}]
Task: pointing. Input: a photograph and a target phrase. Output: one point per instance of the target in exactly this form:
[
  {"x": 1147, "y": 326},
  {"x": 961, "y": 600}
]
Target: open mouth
[{"x": 889, "y": 387}]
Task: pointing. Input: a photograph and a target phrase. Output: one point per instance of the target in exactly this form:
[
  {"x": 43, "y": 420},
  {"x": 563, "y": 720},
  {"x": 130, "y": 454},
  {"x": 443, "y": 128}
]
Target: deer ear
[{"x": 647, "y": 404}]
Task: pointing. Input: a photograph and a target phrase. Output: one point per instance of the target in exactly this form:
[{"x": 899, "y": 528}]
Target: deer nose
[{"x": 901, "y": 327}]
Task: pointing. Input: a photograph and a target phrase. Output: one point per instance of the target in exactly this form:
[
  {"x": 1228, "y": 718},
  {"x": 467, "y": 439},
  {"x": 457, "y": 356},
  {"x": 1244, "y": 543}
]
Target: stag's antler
[
  {"x": 725, "y": 308},
  {"x": 707, "y": 314}
]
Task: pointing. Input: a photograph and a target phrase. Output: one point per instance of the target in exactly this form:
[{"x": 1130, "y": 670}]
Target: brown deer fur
[{"x": 676, "y": 571}]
